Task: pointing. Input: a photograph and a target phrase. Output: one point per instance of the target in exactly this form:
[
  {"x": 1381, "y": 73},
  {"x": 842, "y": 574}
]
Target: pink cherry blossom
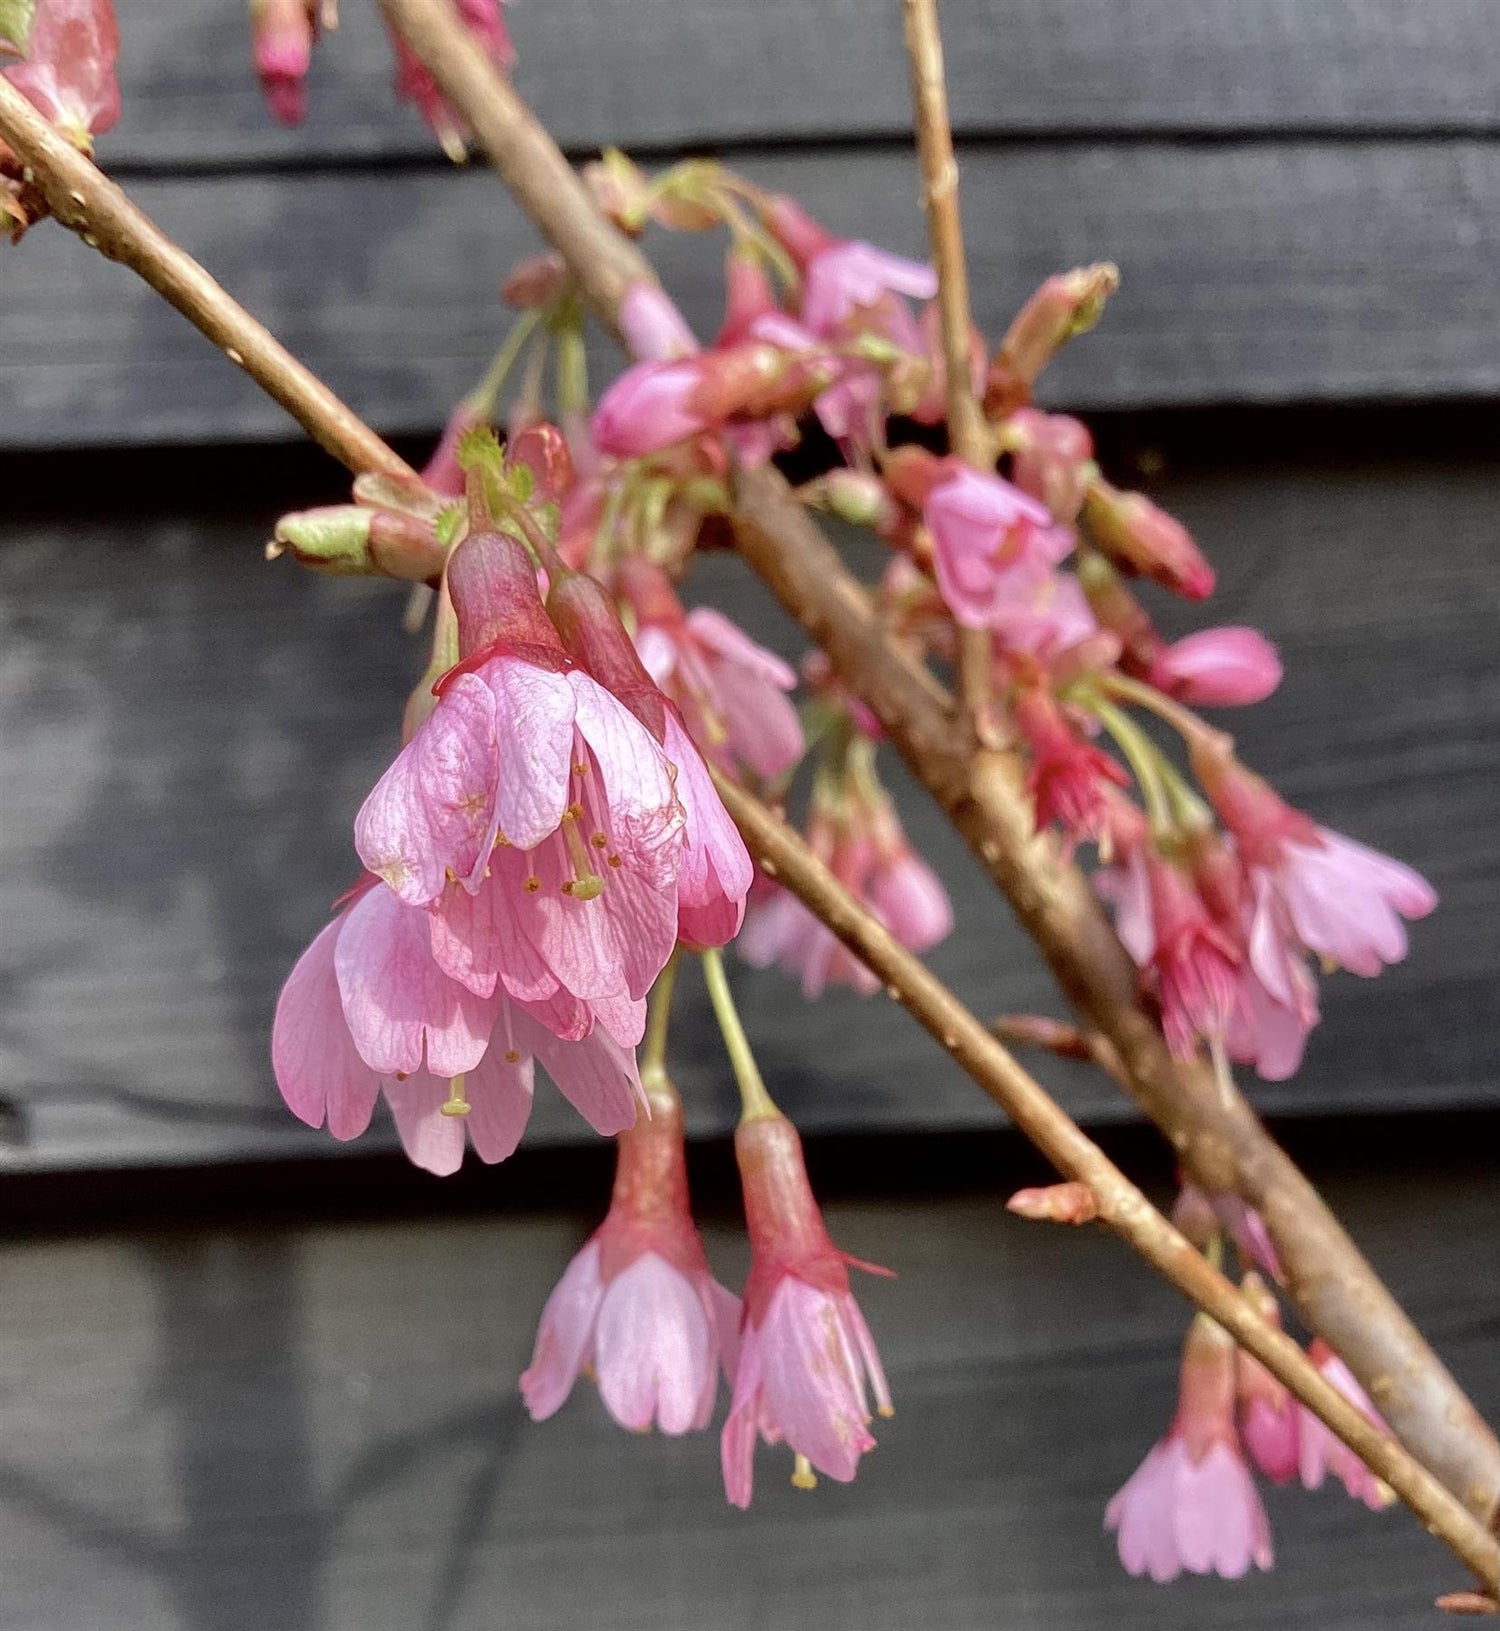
[
  {"x": 638, "y": 1306},
  {"x": 1218, "y": 668},
  {"x": 731, "y": 691},
  {"x": 1338, "y": 898},
  {"x": 1321, "y": 1453},
  {"x": 366, "y": 1011},
  {"x": 68, "y": 71},
  {"x": 990, "y": 542},
  {"x": 1192, "y": 1503},
  {"x": 1194, "y": 962},
  {"x": 1066, "y": 776},
  {"x": 806, "y": 1355},
  {"x": 530, "y": 774}
]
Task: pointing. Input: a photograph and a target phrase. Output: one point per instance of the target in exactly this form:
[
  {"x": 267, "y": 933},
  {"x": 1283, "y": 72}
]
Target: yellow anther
[
  {"x": 532, "y": 885},
  {"x": 586, "y": 884},
  {"x": 456, "y": 1104},
  {"x": 803, "y": 1477},
  {"x": 512, "y": 1056},
  {"x": 599, "y": 841}
]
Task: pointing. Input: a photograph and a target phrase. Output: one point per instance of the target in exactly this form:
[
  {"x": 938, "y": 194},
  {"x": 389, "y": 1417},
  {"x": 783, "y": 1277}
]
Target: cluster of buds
[
  {"x": 1192, "y": 1504},
  {"x": 60, "y": 55}
]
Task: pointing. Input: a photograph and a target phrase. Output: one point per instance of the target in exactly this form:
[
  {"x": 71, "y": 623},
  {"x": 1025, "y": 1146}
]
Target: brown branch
[
  {"x": 131, "y": 238},
  {"x": 968, "y": 435},
  {"x": 785, "y": 856},
  {"x": 1219, "y": 1139},
  {"x": 88, "y": 203}
]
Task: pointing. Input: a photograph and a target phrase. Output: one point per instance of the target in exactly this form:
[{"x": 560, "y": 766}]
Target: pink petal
[
  {"x": 402, "y": 1010},
  {"x": 477, "y": 939},
  {"x": 565, "y": 1338},
  {"x": 316, "y": 1064},
  {"x": 730, "y": 642},
  {"x": 595, "y": 1075},
  {"x": 534, "y": 713},
  {"x": 432, "y": 812},
  {"x": 653, "y": 1349},
  {"x": 737, "y": 1443},
  {"x": 645, "y": 822},
  {"x": 499, "y": 1091},
  {"x": 431, "y": 1139},
  {"x": 1142, "y": 1512},
  {"x": 715, "y": 867},
  {"x": 1221, "y": 1525}
]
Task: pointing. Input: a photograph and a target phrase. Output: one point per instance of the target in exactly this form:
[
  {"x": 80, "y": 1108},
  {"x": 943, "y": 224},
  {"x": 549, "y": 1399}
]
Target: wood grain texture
[
  {"x": 661, "y": 74},
  {"x": 187, "y": 734},
  {"x": 316, "y": 1428},
  {"x": 1253, "y": 273}
]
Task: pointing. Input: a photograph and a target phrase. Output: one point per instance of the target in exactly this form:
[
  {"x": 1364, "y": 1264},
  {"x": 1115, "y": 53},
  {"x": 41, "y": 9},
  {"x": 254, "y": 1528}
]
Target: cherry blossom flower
[
  {"x": 485, "y": 21},
  {"x": 1314, "y": 887},
  {"x": 806, "y": 1355},
  {"x": 1053, "y": 460},
  {"x": 68, "y": 67},
  {"x": 1320, "y": 1452},
  {"x": 731, "y": 692},
  {"x": 992, "y": 543},
  {"x": 1218, "y": 668},
  {"x": 366, "y": 1010},
  {"x": 531, "y": 777},
  {"x": 1192, "y": 1503},
  {"x": 1066, "y": 776},
  {"x": 638, "y": 1307}
]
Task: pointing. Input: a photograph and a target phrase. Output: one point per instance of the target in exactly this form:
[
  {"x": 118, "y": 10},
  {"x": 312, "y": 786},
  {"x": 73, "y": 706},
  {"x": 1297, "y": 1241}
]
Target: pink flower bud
[
  {"x": 1218, "y": 668},
  {"x": 1066, "y": 305},
  {"x": 282, "y": 33},
  {"x": 1054, "y": 458},
  {"x": 649, "y": 407},
  {"x": 654, "y": 329},
  {"x": 1142, "y": 539},
  {"x": 1057, "y": 1203},
  {"x": 1268, "y": 1415},
  {"x": 536, "y": 281}
]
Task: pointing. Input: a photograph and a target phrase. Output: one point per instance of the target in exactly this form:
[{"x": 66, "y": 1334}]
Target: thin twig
[
  {"x": 88, "y": 203},
  {"x": 1217, "y": 1136},
  {"x": 968, "y": 436},
  {"x": 1066, "y": 1041},
  {"x": 785, "y": 856}
]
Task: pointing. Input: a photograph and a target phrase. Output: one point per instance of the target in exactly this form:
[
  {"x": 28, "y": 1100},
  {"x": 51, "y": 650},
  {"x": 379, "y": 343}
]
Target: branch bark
[
  {"x": 835, "y": 620},
  {"x": 88, "y": 203}
]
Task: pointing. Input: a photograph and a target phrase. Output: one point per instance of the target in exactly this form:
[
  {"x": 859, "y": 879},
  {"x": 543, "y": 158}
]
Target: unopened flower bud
[
  {"x": 333, "y": 538},
  {"x": 586, "y": 617},
  {"x": 620, "y": 189},
  {"x": 536, "y": 281},
  {"x": 1218, "y": 668},
  {"x": 1142, "y": 539},
  {"x": 1056, "y": 1203},
  {"x": 1065, "y": 306},
  {"x": 1054, "y": 458},
  {"x": 543, "y": 450},
  {"x": 859, "y": 498}
]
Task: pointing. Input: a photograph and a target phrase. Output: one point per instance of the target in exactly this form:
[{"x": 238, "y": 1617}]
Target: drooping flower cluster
[
  {"x": 1192, "y": 1504},
  {"x": 535, "y": 851}
]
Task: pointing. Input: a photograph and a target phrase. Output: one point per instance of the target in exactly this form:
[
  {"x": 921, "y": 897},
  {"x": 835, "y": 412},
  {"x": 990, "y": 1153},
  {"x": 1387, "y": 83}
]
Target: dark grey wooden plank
[
  {"x": 1252, "y": 273},
  {"x": 317, "y": 1427},
  {"x": 187, "y": 733},
  {"x": 660, "y": 73}
]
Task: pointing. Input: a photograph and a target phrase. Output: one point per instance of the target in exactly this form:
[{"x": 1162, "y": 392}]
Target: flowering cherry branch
[
  {"x": 1215, "y": 1133},
  {"x": 551, "y": 829}
]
